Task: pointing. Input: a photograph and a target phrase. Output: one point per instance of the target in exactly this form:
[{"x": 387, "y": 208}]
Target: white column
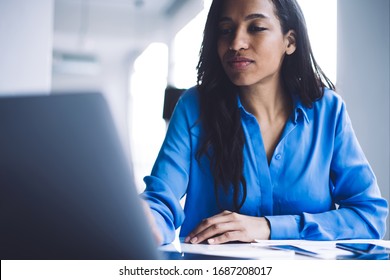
[{"x": 26, "y": 32}]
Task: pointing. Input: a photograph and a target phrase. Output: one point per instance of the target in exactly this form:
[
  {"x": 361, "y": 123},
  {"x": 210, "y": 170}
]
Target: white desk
[{"x": 262, "y": 250}]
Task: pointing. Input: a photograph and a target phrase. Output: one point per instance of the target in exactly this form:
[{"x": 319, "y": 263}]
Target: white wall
[
  {"x": 26, "y": 31},
  {"x": 109, "y": 76},
  {"x": 363, "y": 79}
]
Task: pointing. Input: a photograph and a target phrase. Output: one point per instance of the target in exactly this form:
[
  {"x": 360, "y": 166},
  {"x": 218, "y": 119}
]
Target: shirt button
[{"x": 278, "y": 156}]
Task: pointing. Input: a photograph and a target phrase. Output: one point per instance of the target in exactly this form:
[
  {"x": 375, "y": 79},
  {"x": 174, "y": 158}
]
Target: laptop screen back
[{"x": 66, "y": 186}]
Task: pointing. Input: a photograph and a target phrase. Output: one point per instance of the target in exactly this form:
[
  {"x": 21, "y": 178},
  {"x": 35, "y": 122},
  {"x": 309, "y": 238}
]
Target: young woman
[{"x": 262, "y": 147}]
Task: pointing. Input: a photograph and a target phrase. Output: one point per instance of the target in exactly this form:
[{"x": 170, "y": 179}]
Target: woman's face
[{"x": 251, "y": 45}]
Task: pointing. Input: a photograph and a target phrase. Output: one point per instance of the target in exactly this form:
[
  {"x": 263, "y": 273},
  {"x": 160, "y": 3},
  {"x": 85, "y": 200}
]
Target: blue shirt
[{"x": 318, "y": 184}]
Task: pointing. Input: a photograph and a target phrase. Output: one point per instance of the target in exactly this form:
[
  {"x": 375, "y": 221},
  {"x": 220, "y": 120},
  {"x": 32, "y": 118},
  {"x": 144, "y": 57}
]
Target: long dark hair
[{"x": 223, "y": 138}]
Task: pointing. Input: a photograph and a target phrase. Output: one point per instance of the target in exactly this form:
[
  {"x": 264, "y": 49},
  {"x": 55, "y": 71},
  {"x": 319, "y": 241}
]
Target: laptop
[{"x": 66, "y": 185}]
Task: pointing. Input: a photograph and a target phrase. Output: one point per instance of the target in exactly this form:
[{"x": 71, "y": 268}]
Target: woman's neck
[{"x": 267, "y": 104}]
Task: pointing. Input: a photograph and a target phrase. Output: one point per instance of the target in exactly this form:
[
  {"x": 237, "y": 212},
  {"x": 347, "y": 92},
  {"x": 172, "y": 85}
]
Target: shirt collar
[
  {"x": 239, "y": 104},
  {"x": 300, "y": 111}
]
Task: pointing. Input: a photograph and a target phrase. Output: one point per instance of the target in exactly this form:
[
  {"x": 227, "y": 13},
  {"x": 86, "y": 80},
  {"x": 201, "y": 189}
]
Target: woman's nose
[{"x": 239, "y": 41}]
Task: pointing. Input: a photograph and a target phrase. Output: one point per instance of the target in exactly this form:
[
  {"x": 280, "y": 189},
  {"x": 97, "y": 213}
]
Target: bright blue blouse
[{"x": 317, "y": 186}]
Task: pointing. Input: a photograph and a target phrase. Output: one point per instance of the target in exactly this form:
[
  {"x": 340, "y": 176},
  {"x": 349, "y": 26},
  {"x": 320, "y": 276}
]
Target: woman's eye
[
  {"x": 256, "y": 28},
  {"x": 225, "y": 31}
]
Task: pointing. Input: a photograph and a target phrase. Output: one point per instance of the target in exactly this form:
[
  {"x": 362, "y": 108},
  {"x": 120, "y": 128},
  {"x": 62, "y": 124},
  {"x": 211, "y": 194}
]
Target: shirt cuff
[
  {"x": 284, "y": 226},
  {"x": 168, "y": 235}
]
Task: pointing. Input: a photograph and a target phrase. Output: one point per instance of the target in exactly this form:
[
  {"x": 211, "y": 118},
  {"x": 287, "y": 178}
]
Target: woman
[{"x": 263, "y": 147}]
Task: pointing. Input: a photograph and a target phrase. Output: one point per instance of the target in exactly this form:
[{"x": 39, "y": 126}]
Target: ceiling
[{"x": 106, "y": 26}]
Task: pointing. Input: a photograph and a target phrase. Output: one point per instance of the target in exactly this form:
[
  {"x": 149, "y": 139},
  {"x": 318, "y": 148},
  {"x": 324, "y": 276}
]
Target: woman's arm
[{"x": 168, "y": 181}]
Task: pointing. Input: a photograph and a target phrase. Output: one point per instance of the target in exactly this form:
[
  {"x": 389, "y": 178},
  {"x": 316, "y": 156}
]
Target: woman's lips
[{"x": 239, "y": 63}]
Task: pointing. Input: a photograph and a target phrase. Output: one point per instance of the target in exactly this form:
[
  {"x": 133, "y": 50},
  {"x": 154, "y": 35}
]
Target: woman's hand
[
  {"x": 230, "y": 226},
  {"x": 155, "y": 231}
]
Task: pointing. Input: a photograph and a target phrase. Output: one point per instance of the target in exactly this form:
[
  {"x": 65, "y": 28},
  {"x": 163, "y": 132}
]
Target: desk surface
[{"x": 262, "y": 250}]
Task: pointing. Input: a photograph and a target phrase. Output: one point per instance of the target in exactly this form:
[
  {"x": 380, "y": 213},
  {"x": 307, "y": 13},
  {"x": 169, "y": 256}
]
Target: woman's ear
[{"x": 290, "y": 42}]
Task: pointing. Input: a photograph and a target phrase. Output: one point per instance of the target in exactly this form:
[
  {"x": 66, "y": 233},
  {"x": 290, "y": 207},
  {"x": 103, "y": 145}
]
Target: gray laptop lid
[{"x": 66, "y": 187}]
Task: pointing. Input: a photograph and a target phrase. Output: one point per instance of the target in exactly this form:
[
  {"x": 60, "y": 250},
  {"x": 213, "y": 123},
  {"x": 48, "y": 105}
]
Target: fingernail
[
  {"x": 193, "y": 240},
  {"x": 187, "y": 239},
  {"x": 211, "y": 241}
]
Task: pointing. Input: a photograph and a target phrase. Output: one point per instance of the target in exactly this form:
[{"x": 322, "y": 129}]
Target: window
[
  {"x": 321, "y": 20},
  {"x": 147, "y": 128}
]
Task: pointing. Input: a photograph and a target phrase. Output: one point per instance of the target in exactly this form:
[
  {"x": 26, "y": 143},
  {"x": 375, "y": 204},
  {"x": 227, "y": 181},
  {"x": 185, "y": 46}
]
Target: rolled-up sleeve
[
  {"x": 168, "y": 181},
  {"x": 355, "y": 186}
]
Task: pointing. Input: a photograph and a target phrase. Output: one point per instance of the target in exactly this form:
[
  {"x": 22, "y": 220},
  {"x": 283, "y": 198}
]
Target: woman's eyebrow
[
  {"x": 248, "y": 17},
  {"x": 255, "y": 16}
]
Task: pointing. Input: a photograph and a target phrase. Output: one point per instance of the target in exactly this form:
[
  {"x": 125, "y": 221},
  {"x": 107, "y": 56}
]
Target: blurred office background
[{"x": 131, "y": 50}]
